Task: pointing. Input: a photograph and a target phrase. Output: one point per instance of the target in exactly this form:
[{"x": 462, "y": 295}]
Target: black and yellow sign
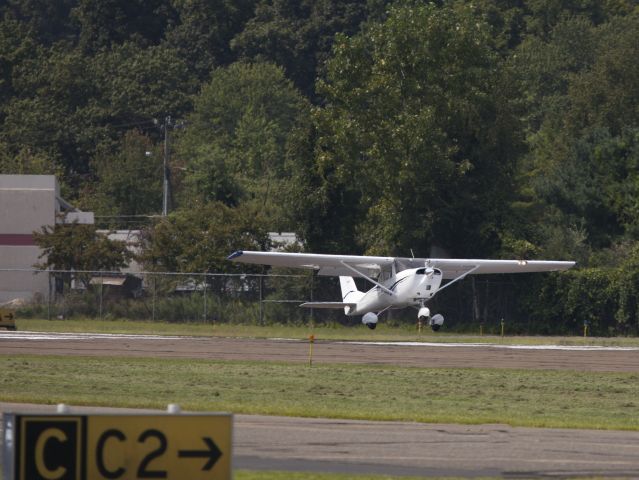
[
  {"x": 7, "y": 318},
  {"x": 118, "y": 447}
]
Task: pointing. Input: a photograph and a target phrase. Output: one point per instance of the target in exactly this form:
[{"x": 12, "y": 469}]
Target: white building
[{"x": 27, "y": 203}]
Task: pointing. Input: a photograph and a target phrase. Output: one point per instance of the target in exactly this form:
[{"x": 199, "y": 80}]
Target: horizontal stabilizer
[{"x": 334, "y": 305}]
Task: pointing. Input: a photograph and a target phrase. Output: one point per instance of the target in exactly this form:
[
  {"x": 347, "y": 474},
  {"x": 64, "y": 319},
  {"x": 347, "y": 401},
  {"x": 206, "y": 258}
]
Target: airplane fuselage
[{"x": 413, "y": 286}]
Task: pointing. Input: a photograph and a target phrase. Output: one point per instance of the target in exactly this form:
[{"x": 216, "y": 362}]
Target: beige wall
[
  {"x": 27, "y": 202},
  {"x": 21, "y": 284}
]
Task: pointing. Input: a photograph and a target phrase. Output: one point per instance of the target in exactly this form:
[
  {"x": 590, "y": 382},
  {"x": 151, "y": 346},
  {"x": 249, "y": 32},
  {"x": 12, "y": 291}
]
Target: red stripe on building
[{"x": 16, "y": 239}]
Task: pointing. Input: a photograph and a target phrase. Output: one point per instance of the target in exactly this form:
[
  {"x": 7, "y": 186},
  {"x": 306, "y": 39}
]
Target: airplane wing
[
  {"x": 330, "y": 265},
  {"x": 337, "y": 265},
  {"x": 453, "y": 268}
]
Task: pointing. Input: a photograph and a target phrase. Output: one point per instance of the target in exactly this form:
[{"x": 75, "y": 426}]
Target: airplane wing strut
[
  {"x": 374, "y": 282},
  {"x": 459, "y": 277}
]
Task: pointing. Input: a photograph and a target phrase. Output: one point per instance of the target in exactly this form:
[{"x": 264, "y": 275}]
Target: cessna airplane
[{"x": 397, "y": 282}]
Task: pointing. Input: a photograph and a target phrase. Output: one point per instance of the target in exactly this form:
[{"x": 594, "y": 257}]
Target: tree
[
  {"x": 578, "y": 180},
  {"x": 200, "y": 237},
  {"x": 26, "y": 162},
  {"x": 68, "y": 106},
  {"x": 129, "y": 182},
  {"x": 138, "y": 84},
  {"x": 50, "y": 112},
  {"x": 416, "y": 142},
  {"x": 104, "y": 24},
  {"x": 234, "y": 147},
  {"x": 79, "y": 247},
  {"x": 298, "y": 36},
  {"x": 16, "y": 47},
  {"x": 44, "y": 21},
  {"x": 203, "y": 31}
]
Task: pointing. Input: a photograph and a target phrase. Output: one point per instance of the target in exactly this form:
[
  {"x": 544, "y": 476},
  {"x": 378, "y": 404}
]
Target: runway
[
  {"x": 390, "y": 448},
  {"x": 413, "y": 354}
]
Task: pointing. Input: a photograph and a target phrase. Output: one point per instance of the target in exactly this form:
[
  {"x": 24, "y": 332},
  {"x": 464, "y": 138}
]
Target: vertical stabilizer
[{"x": 350, "y": 293}]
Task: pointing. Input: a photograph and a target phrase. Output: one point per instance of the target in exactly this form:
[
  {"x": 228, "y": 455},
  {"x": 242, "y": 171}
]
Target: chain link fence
[
  {"x": 171, "y": 296},
  {"x": 256, "y": 299},
  {"x": 476, "y": 304}
]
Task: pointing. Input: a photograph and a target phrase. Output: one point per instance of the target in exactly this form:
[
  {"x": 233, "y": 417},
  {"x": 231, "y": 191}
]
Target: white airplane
[{"x": 397, "y": 282}]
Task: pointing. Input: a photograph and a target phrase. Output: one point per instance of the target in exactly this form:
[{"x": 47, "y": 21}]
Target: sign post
[{"x": 118, "y": 447}]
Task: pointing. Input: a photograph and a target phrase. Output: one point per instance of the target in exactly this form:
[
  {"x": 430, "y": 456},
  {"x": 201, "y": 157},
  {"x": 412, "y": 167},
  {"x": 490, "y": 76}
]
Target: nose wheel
[{"x": 435, "y": 322}]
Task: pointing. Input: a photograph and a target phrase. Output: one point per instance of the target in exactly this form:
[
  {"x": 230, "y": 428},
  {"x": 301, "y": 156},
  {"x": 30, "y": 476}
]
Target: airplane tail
[{"x": 350, "y": 293}]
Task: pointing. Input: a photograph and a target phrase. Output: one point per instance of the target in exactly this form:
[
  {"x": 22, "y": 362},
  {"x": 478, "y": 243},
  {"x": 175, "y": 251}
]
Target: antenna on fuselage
[{"x": 412, "y": 254}]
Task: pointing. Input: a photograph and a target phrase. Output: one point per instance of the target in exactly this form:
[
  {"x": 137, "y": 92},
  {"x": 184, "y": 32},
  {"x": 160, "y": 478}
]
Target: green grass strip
[{"x": 536, "y": 398}]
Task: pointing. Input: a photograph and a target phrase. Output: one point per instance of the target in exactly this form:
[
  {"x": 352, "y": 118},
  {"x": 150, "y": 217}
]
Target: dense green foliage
[{"x": 496, "y": 128}]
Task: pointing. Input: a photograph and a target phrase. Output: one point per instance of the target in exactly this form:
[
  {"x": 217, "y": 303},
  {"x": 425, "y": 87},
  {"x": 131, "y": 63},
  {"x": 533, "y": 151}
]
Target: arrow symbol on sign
[{"x": 213, "y": 453}]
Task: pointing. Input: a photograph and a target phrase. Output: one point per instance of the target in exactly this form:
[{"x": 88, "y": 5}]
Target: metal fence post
[
  {"x": 205, "y": 282},
  {"x": 153, "y": 301},
  {"x": 261, "y": 303},
  {"x": 101, "y": 291},
  {"x": 312, "y": 288},
  {"x": 49, "y": 296}
]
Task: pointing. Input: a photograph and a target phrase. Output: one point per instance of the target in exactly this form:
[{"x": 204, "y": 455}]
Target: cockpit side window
[{"x": 385, "y": 274}]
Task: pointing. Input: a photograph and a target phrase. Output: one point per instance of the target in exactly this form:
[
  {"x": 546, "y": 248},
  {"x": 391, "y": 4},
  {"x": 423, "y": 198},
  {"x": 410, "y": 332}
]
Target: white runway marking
[
  {"x": 578, "y": 348},
  {"x": 24, "y": 335},
  {"x": 47, "y": 336}
]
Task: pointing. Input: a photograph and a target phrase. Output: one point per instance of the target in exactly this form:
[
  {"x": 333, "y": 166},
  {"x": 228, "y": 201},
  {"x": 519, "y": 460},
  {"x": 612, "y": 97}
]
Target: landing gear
[
  {"x": 370, "y": 320},
  {"x": 435, "y": 322}
]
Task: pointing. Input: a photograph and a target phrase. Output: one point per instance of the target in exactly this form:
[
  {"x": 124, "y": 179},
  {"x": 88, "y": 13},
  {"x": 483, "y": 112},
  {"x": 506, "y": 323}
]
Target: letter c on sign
[
  {"x": 99, "y": 454},
  {"x": 39, "y": 453}
]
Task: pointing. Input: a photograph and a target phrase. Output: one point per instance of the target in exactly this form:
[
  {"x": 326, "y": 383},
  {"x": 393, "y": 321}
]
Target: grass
[
  {"x": 535, "y": 398},
  {"x": 356, "y": 332}
]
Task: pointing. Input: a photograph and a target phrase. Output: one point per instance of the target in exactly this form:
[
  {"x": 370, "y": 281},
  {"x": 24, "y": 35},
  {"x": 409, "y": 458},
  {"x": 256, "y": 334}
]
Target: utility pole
[{"x": 166, "y": 187}]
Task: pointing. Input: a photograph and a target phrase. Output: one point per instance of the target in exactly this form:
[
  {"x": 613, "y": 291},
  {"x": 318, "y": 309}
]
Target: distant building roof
[
  {"x": 282, "y": 240},
  {"x": 28, "y": 182}
]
